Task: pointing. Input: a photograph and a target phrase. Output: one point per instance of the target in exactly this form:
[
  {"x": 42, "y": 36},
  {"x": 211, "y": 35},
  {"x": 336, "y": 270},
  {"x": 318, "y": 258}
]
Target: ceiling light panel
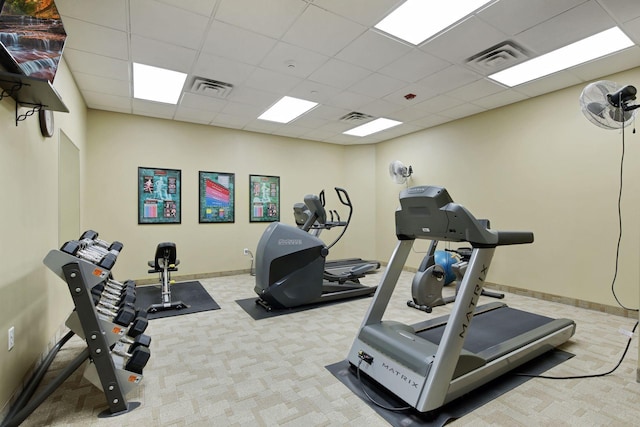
[
  {"x": 417, "y": 20},
  {"x": 157, "y": 84},
  {"x": 596, "y": 46},
  {"x": 287, "y": 109},
  {"x": 372, "y": 127}
]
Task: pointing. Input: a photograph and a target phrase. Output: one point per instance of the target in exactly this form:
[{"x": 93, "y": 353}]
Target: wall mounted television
[{"x": 32, "y": 37}]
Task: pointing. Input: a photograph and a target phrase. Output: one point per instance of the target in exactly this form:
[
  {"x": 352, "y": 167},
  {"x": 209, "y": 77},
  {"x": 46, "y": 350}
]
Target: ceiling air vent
[
  {"x": 208, "y": 87},
  {"x": 354, "y": 116},
  {"x": 498, "y": 58}
]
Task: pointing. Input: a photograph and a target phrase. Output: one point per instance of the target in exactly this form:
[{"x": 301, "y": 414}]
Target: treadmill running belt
[{"x": 491, "y": 328}]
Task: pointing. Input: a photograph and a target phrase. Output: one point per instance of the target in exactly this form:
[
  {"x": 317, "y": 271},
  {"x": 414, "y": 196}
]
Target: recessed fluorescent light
[
  {"x": 417, "y": 20},
  {"x": 287, "y": 109},
  {"x": 372, "y": 127},
  {"x": 157, "y": 84},
  {"x": 596, "y": 46}
]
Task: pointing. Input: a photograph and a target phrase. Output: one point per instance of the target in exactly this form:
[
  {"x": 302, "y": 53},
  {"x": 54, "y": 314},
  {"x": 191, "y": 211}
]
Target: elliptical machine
[
  {"x": 427, "y": 284},
  {"x": 341, "y": 269},
  {"x": 290, "y": 265}
]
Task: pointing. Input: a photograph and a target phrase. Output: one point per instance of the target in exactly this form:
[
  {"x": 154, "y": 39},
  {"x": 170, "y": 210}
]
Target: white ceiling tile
[
  {"x": 103, "y": 84},
  {"x": 99, "y": 99},
  {"x": 566, "y": 28},
  {"x": 349, "y": 100},
  {"x": 313, "y": 91},
  {"x": 112, "y": 14},
  {"x": 161, "y": 54},
  {"x": 365, "y": 12},
  {"x": 153, "y": 109},
  {"x": 319, "y": 134},
  {"x": 373, "y": 50},
  {"x": 513, "y": 17},
  {"x": 167, "y": 23},
  {"x": 622, "y": 10},
  {"x": 243, "y": 110},
  {"x": 625, "y": 60},
  {"x": 431, "y": 120},
  {"x": 193, "y": 115},
  {"x": 250, "y": 96},
  {"x": 271, "y": 81},
  {"x": 221, "y": 69},
  {"x": 98, "y": 65},
  {"x": 272, "y": 18},
  {"x": 410, "y": 114},
  {"x": 201, "y": 7},
  {"x": 632, "y": 29},
  {"x": 381, "y": 108},
  {"x": 449, "y": 78},
  {"x": 322, "y": 31},
  {"x": 455, "y": 45},
  {"x": 254, "y": 46},
  {"x": 194, "y": 101},
  {"x": 414, "y": 66},
  {"x": 262, "y": 126},
  {"x": 476, "y": 90},
  {"x": 377, "y": 85},
  {"x": 328, "y": 113},
  {"x": 421, "y": 93},
  {"x": 231, "y": 121},
  {"x": 96, "y": 39},
  {"x": 462, "y": 110},
  {"x": 499, "y": 99},
  {"x": 293, "y": 60},
  {"x": 307, "y": 120},
  {"x": 437, "y": 104},
  {"x": 339, "y": 74}
]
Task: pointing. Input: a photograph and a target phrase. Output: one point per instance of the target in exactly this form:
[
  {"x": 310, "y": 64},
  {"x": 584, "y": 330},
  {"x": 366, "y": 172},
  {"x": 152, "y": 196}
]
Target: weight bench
[{"x": 165, "y": 262}]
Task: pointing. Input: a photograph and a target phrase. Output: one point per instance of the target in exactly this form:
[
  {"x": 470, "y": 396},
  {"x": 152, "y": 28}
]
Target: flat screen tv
[{"x": 31, "y": 37}]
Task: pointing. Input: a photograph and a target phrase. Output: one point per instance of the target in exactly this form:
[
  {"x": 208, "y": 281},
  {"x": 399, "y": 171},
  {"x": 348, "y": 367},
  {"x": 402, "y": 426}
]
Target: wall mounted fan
[
  {"x": 606, "y": 104},
  {"x": 399, "y": 172}
]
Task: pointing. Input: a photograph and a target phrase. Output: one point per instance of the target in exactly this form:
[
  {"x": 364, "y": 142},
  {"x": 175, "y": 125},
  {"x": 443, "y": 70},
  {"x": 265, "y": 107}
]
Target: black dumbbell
[
  {"x": 75, "y": 248},
  {"x": 136, "y": 360},
  {"x": 140, "y": 340},
  {"x": 111, "y": 282},
  {"x": 128, "y": 296},
  {"x": 123, "y": 317}
]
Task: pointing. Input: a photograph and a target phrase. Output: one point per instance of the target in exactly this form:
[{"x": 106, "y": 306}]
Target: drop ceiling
[{"x": 327, "y": 51}]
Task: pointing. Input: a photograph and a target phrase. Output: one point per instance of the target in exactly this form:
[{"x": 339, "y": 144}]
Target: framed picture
[
  {"x": 217, "y": 197},
  {"x": 264, "y": 198},
  {"x": 159, "y": 196}
]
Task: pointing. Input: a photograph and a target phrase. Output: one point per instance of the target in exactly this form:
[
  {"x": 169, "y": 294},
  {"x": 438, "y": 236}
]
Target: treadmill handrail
[{"x": 428, "y": 212}]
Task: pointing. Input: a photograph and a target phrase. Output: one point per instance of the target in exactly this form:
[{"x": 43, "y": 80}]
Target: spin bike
[{"x": 427, "y": 284}]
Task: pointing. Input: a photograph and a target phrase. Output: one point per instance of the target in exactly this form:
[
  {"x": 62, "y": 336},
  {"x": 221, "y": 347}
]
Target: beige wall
[
  {"x": 32, "y": 299},
  {"x": 119, "y": 144},
  {"x": 537, "y": 165}
]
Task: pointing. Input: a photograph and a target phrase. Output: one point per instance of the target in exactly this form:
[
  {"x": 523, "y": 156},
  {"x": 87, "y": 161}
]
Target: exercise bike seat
[{"x": 165, "y": 253}]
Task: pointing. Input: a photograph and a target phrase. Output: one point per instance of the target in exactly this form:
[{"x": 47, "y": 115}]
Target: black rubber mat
[
  {"x": 257, "y": 312},
  {"x": 452, "y": 410},
  {"x": 192, "y": 294}
]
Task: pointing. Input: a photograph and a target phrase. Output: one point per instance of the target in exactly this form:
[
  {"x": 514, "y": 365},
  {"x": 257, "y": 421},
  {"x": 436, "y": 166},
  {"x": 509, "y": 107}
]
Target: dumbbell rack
[{"x": 100, "y": 334}]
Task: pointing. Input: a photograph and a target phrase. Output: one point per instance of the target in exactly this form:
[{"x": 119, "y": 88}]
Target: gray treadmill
[{"x": 433, "y": 362}]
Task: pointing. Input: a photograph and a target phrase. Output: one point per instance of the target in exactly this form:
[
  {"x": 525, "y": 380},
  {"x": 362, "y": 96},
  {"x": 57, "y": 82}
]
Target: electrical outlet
[
  {"x": 12, "y": 340},
  {"x": 246, "y": 251}
]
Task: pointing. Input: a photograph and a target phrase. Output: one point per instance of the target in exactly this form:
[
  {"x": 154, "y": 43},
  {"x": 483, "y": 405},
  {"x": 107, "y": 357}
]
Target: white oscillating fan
[
  {"x": 606, "y": 104},
  {"x": 399, "y": 172}
]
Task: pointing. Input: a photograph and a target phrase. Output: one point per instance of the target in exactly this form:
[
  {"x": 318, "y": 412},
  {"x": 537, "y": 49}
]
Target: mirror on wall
[{"x": 68, "y": 190}]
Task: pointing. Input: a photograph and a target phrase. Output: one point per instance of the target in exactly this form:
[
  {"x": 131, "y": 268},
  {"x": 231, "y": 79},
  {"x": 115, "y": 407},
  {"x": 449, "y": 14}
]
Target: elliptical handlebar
[
  {"x": 344, "y": 198},
  {"x": 342, "y": 192}
]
